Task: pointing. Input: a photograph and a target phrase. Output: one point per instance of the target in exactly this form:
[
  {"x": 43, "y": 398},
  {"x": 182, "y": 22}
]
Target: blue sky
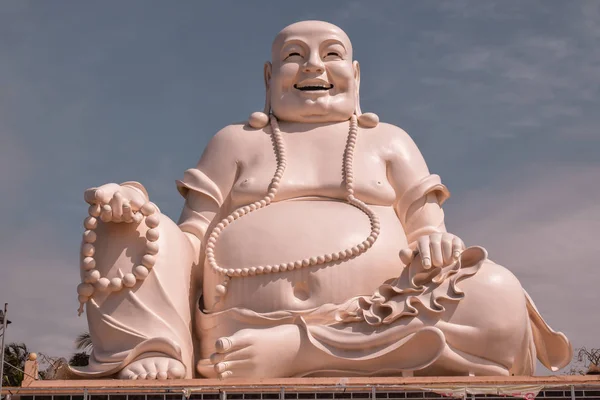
[{"x": 500, "y": 96}]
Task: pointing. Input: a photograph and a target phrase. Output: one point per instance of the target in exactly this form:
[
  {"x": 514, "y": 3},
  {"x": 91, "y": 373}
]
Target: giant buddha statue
[{"x": 312, "y": 243}]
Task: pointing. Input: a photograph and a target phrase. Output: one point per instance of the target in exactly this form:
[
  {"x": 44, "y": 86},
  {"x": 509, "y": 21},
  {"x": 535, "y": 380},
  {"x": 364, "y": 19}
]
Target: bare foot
[
  {"x": 160, "y": 368},
  {"x": 258, "y": 353}
]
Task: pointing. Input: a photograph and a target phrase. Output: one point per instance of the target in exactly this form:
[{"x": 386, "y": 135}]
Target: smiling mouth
[{"x": 311, "y": 88}]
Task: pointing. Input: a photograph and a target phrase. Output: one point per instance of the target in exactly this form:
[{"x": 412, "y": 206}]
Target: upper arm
[
  {"x": 418, "y": 192},
  {"x": 206, "y": 186},
  {"x": 406, "y": 165}
]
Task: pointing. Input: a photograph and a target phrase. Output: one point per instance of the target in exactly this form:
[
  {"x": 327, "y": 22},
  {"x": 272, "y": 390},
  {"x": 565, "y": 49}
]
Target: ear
[
  {"x": 356, "y": 68},
  {"x": 267, "y": 75}
]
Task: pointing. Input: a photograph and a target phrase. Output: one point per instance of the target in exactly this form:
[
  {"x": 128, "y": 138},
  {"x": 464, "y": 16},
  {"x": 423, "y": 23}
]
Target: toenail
[
  {"x": 223, "y": 344},
  {"x": 221, "y": 367},
  {"x": 225, "y": 375}
]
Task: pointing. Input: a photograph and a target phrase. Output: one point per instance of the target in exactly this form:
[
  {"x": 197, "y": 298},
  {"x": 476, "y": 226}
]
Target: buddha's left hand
[{"x": 436, "y": 249}]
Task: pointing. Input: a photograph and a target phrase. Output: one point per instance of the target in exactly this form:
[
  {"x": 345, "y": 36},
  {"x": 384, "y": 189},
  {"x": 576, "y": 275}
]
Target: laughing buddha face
[{"x": 312, "y": 77}]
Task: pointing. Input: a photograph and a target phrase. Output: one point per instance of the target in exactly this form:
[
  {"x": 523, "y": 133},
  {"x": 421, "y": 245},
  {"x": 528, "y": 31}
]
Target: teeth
[{"x": 313, "y": 87}]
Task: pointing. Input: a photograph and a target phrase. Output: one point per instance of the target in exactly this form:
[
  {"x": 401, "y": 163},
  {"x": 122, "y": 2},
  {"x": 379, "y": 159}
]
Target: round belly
[{"x": 293, "y": 230}]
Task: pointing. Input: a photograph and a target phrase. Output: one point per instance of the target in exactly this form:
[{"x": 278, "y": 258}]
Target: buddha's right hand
[{"x": 117, "y": 203}]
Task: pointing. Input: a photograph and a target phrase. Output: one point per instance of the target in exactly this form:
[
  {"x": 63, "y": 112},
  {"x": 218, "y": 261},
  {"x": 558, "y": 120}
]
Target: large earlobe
[
  {"x": 259, "y": 120},
  {"x": 356, "y": 68},
  {"x": 267, "y": 75},
  {"x": 367, "y": 120}
]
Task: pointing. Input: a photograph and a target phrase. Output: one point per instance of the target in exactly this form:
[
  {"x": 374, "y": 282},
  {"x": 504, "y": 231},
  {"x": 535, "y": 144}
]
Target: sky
[{"x": 498, "y": 95}]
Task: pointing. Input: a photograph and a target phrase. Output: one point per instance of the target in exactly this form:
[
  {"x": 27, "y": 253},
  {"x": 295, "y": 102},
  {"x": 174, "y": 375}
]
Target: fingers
[
  {"x": 407, "y": 255},
  {"x": 106, "y": 213},
  {"x": 127, "y": 212},
  {"x": 447, "y": 252},
  {"x": 457, "y": 247},
  {"x": 435, "y": 245},
  {"x": 437, "y": 249},
  {"x": 423, "y": 246},
  {"x": 90, "y": 196},
  {"x": 116, "y": 203},
  {"x": 113, "y": 203}
]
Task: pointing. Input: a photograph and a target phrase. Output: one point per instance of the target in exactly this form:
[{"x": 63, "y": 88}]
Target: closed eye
[
  {"x": 293, "y": 54},
  {"x": 332, "y": 56}
]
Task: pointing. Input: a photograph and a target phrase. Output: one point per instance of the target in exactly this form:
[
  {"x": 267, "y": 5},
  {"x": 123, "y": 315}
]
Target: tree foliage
[
  {"x": 585, "y": 362},
  {"x": 15, "y": 355},
  {"x": 80, "y": 359},
  {"x": 84, "y": 342}
]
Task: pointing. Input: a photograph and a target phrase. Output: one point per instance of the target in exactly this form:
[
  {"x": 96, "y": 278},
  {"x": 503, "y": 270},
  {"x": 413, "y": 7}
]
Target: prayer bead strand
[
  {"x": 92, "y": 279},
  {"x": 280, "y": 156}
]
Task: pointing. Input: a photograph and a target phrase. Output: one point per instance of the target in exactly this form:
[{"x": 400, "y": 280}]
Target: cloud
[
  {"x": 543, "y": 225},
  {"x": 536, "y": 76}
]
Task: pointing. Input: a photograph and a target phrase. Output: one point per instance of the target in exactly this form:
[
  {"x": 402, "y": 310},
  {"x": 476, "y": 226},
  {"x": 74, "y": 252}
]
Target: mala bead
[
  {"x": 129, "y": 280},
  {"x": 85, "y": 289},
  {"x": 88, "y": 263},
  {"x": 116, "y": 284},
  {"x": 140, "y": 272},
  {"x": 148, "y": 261},
  {"x": 152, "y": 235},
  {"x": 148, "y": 209},
  {"x": 221, "y": 290},
  {"x": 83, "y": 299},
  {"x": 89, "y": 236},
  {"x": 92, "y": 276},
  {"x": 151, "y": 247},
  {"x": 152, "y": 221},
  {"x": 90, "y": 223},
  {"x": 102, "y": 284},
  {"x": 94, "y": 210},
  {"x": 88, "y": 250}
]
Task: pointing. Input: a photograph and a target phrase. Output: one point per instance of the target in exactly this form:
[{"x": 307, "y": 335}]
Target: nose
[{"x": 314, "y": 64}]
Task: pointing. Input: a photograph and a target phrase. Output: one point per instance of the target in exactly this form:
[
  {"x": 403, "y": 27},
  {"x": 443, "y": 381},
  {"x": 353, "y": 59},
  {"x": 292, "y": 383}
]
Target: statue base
[{"x": 556, "y": 387}]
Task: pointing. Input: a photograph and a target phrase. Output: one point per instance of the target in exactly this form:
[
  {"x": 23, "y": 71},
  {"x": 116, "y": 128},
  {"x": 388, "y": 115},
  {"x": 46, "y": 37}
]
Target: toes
[
  {"x": 127, "y": 374},
  {"x": 229, "y": 343},
  {"x": 221, "y": 367},
  {"x": 242, "y": 354},
  {"x": 224, "y": 344},
  {"x": 161, "y": 364},
  {"x": 176, "y": 372},
  {"x": 206, "y": 368},
  {"x": 152, "y": 375},
  {"x": 161, "y": 376},
  {"x": 137, "y": 369},
  {"x": 225, "y": 375},
  {"x": 227, "y": 368}
]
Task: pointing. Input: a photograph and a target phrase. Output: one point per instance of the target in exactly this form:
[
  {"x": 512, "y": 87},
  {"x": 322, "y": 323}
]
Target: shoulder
[
  {"x": 395, "y": 142},
  {"x": 234, "y": 138}
]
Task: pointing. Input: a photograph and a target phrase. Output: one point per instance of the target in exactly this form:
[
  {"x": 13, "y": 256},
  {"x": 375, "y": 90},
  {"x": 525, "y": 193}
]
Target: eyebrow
[
  {"x": 334, "y": 41},
  {"x": 292, "y": 42}
]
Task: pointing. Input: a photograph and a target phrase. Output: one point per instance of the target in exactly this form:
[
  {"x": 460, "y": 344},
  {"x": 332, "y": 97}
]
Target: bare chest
[{"x": 314, "y": 164}]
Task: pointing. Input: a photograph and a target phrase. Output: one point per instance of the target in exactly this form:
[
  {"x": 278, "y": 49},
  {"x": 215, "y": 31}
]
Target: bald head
[
  {"x": 309, "y": 29},
  {"x": 312, "y": 77}
]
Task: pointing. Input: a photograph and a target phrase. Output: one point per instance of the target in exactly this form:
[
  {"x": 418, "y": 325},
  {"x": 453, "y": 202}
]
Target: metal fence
[{"x": 587, "y": 392}]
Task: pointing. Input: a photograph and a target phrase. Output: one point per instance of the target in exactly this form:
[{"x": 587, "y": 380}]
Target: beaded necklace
[{"x": 280, "y": 155}]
